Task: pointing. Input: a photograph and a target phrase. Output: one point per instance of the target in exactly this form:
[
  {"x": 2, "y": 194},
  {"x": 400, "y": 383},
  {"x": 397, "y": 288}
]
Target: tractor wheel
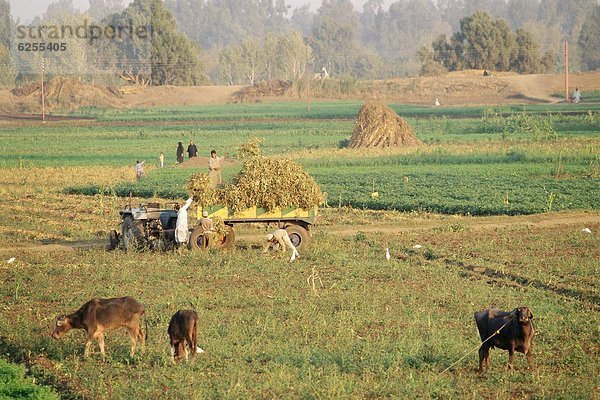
[
  {"x": 197, "y": 239},
  {"x": 113, "y": 240},
  {"x": 299, "y": 236},
  {"x": 227, "y": 241},
  {"x": 133, "y": 234}
]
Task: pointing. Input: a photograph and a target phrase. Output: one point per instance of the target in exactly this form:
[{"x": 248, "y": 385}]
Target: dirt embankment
[{"x": 456, "y": 88}]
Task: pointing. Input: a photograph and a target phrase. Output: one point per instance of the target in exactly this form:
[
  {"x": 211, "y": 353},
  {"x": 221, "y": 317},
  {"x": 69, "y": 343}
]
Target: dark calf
[
  {"x": 183, "y": 329},
  {"x": 516, "y": 335},
  {"x": 100, "y": 315}
]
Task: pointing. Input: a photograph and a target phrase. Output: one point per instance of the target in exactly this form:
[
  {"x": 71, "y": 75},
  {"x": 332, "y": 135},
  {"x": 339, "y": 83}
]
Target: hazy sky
[{"x": 26, "y": 10}]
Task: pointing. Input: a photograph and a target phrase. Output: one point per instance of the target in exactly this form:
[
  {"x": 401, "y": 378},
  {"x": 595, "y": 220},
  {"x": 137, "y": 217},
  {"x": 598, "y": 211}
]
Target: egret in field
[
  {"x": 10, "y": 260},
  {"x": 586, "y": 230},
  {"x": 417, "y": 246},
  {"x": 387, "y": 254}
]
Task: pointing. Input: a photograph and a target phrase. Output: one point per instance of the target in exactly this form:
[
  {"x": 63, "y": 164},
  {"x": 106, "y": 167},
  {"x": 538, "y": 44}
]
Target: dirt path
[
  {"x": 582, "y": 219},
  {"x": 484, "y": 223}
]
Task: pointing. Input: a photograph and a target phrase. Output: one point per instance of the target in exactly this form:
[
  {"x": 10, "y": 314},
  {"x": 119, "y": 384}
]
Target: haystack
[{"x": 379, "y": 126}]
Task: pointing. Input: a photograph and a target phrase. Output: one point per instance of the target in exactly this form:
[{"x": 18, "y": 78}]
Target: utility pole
[
  {"x": 566, "y": 71},
  {"x": 307, "y": 82},
  {"x": 43, "y": 94}
]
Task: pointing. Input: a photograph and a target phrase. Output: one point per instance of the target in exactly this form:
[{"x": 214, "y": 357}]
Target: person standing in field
[
  {"x": 280, "y": 237},
  {"x": 576, "y": 96},
  {"x": 139, "y": 169},
  {"x": 192, "y": 150},
  {"x": 214, "y": 168},
  {"x": 161, "y": 159},
  {"x": 179, "y": 153},
  {"x": 181, "y": 228}
]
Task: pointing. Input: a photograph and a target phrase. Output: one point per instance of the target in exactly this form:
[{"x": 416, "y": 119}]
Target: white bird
[
  {"x": 586, "y": 230},
  {"x": 417, "y": 246},
  {"x": 387, "y": 254},
  {"x": 199, "y": 350},
  {"x": 11, "y": 260}
]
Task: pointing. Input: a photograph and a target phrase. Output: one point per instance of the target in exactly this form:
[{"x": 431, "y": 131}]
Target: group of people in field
[{"x": 214, "y": 162}]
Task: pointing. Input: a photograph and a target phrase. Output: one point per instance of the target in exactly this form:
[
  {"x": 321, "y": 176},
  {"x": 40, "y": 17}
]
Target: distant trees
[
  {"x": 486, "y": 43},
  {"x": 589, "y": 40},
  {"x": 141, "y": 43},
  {"x": 277, "y": 57}
]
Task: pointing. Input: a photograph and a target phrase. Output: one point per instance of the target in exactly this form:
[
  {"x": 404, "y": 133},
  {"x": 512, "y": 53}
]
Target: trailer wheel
[
  {"x": 133, "y": 234},
  {"x": 197, "y": 239},
  {"x": 299, "y": 236},
  {"x": 227, "y": 241}
]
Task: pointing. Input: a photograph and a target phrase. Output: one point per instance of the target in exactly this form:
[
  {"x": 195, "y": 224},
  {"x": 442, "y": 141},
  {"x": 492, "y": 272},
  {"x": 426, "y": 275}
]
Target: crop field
[{"x": 496, "y": 203}]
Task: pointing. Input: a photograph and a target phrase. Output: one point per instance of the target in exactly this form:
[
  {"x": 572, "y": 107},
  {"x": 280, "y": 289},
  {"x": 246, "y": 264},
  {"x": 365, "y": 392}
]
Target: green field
[
  {"x": 363, "y": 327},
  {"x": 527, "y": 159}
]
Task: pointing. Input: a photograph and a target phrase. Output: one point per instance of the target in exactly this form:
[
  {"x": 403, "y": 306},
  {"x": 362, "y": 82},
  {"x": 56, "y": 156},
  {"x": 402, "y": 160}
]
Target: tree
[
  {"x": 173, "y": 59},
  {"x": 99, "y": 9},
  {"x": 252, "y": 60},
  {"x": 527, "y": 59},
  {"x": 589, "y": 40},
  {"x": 485, "y": 43},
  {"x": 292, "y": 56},
  {"x": 270, "y": 55},
  {"x": 429, "y": 67},
  {"x": 334, "y": 36},
  {"x": 229, "y": 63}
]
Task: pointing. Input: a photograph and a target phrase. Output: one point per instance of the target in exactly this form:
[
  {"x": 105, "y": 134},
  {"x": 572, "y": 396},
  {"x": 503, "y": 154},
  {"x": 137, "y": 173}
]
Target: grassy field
[
  {"x": 15, "y": 385},
  {"x": 368, "y": 328}
]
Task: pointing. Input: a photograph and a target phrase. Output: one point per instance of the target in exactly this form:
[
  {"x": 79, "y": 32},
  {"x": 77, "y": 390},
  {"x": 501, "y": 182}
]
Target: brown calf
[
  {"x": 183, "y": 329},
  {"x": 516, "y": 333},
  {"x": 99, "y": 315}
]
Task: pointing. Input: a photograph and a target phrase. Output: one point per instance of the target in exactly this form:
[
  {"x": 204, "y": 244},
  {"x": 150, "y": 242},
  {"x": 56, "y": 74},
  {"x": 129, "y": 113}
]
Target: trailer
[{"x": 298, "y": 222}]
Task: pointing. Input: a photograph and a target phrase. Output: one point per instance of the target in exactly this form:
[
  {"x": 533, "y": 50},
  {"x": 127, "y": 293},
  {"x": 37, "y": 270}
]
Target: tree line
[{"x": 242, "y": 41}]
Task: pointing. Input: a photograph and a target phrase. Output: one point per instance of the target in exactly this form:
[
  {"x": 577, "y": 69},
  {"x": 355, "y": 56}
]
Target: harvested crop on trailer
[
  {"x": 276, "y": 182},
  {"x": 249, "y": 149},
  {"x": 379, "y": 126},
  {"x": 201, "y": 190},
  {"x": 264, "y": 182}
]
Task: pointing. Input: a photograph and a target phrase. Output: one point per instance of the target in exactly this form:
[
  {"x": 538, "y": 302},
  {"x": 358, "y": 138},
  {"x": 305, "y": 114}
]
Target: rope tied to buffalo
[{"x": 497, "y": 332}]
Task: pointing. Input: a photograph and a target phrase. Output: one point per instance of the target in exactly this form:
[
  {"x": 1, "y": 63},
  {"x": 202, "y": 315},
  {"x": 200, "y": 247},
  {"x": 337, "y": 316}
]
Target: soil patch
[{"x": 202, "y": 162}]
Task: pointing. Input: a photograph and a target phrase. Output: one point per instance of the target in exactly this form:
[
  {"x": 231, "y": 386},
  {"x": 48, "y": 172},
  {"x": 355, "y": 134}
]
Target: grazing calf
[
  {"x": 516, "y": 333},
  {"x": 100, "y": 315},
  {"x": 183, "y": 329}
]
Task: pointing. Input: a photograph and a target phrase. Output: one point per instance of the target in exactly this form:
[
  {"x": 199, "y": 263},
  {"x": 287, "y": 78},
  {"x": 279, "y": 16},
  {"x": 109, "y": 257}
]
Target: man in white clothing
[
  {"x": 181, "y": 229},
  {"x": 280, "y": 237}
]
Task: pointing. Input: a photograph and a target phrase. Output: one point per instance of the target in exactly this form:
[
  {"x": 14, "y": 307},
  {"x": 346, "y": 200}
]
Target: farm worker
[
  {"x": 207, "y": 226},
  {"x": 139, "y": 169},
  {"x": 280, "y": 237},
  {"x": 206, "y": 223},
  {"x": 192, "y": 150},
  {"x": 576, "y": 96},
  {"x": 161, "y": 159},
  {"x": 214, "y": 168},
  {"x": 181, "y": 228},
  {"x": 179, "y": 153}
]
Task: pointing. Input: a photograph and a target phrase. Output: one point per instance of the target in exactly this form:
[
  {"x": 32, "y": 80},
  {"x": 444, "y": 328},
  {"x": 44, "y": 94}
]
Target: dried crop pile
[
  {"x": 276, "y": 87},
  {"x": 263, "y": 182},
  {"x": 68, "y": 93},
  {"x": 379, "y": 126}
]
